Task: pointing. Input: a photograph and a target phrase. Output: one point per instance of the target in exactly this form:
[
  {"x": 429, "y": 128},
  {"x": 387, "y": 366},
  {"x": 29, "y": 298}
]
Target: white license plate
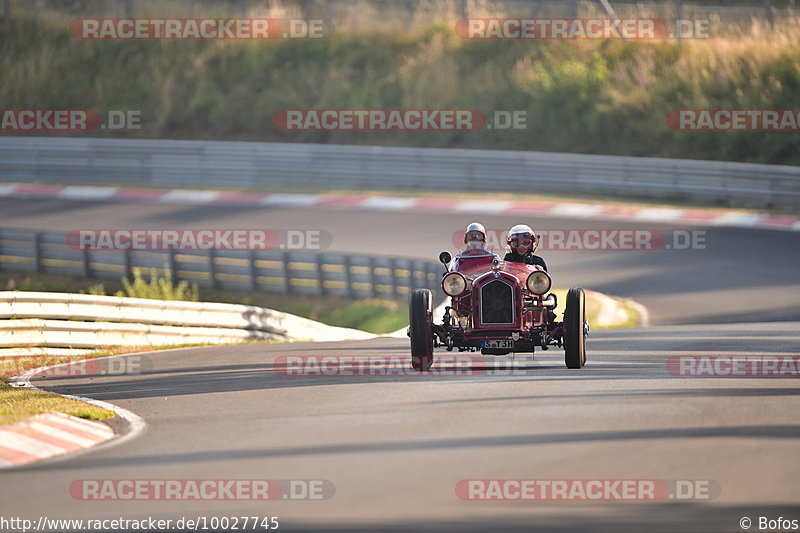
[{"x": 498, "y": 343}]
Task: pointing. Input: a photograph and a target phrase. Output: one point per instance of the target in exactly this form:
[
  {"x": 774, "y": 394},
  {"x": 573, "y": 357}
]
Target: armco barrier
[
  {"x": 30, "y": 320},
  {"x": 292, "y": 166},
  {"x": 275, "y": 271}
]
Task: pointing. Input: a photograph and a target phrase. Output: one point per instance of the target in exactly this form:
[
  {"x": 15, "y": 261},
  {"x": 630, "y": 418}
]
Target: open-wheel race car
[{"x": 498, "y": 307}]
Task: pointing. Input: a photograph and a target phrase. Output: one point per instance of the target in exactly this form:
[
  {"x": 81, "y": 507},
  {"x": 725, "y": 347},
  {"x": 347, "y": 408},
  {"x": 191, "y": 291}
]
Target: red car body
[{"x": 497, "y": 307}]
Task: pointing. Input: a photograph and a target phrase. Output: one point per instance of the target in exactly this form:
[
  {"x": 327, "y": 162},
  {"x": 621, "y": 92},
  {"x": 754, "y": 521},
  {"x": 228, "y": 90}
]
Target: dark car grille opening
[{"x": 497, "y": 303}]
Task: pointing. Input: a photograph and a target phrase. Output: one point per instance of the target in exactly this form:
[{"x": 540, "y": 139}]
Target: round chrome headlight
[
  {"x": 538, "y": 282},
  {"x": 454, "y": 284}
]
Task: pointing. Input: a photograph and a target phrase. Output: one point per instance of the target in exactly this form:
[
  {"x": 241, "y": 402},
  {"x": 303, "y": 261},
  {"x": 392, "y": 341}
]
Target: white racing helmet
[
  {"x": 522, "y": 239},
  {"x": 475, "y": 236}
]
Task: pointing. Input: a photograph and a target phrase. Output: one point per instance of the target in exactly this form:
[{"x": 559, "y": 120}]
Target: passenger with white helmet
[{"x": 522, "y": 241}]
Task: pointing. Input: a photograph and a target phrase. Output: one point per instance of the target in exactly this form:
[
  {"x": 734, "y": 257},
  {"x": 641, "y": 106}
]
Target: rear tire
[
  {"x": 421, "y": 329},
  {"x": 574, "y": 330}
]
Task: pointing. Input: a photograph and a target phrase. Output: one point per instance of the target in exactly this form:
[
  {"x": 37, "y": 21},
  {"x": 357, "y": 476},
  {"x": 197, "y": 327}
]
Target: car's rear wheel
[
  {"x": 575, "y": 329},
  {"x": 421, "y": 329}
]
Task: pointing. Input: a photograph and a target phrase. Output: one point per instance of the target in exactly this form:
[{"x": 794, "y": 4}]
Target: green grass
[
  {"x": 18, "y": 404},
  {"x": 605, "y": 97},
  {"x": 375, "y": 315},
  {"x": 154, "y": 284}
]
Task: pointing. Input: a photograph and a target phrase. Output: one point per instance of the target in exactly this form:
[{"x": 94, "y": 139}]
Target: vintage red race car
[{"x": 498, "y": 307}]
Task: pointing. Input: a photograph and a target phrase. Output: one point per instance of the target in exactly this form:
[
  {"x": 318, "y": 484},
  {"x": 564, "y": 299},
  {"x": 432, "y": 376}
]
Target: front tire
[
  {"x": 420, "y": 320},
  {"x": 574, "y": 329}
]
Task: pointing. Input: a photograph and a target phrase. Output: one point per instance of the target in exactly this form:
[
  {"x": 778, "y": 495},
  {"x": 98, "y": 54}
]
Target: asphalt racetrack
[{"x": 396, "y": 447}]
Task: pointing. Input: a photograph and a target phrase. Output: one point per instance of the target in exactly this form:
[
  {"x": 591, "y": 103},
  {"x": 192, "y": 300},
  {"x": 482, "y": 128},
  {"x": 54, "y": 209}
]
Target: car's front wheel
[
  {"x": 420, "y": 320},
  {"x": 575, "y": 329}
]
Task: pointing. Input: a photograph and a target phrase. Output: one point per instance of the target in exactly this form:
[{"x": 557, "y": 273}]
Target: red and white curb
[
  {"x": 48, "y": 435},
  {"x": 688, "y": 216},
  {"x": 56, "y": 434}
]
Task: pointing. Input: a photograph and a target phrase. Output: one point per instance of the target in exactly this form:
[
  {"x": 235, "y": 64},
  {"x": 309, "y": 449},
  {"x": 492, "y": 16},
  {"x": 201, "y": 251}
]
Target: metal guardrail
[
  {"x": 169, "y": 163},
  {"x": 275, "y": 271},
  {"x": 82, "y": 321}
]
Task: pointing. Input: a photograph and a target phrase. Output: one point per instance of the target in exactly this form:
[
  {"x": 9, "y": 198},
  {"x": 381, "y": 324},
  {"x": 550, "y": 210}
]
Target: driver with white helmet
[
  {"x": 522, "y": 241},
  {"x": 475, "y": 241},
  {"x": 475, "y": 236}
]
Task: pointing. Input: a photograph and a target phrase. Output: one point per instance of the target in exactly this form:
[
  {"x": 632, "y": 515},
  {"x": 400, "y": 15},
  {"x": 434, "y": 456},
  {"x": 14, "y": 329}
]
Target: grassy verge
[
  {"x": 603, "y": 311},
  {"x": 18, "y": 404},
  {"x": 584, "y": 96}
]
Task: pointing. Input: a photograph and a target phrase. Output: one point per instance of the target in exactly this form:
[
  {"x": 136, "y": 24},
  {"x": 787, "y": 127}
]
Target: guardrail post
[
  {"x": 770, "y": 12},
  {"x": 321, "y": 274},
  {"x": 212, "y": 269},
  {"x": 373, "y": 284},
  {"x": 38, "y": 252},
  {"x": 348, "y": 278},
  {"x": 172, "y": 264},
  {"x": 253, "y": 271},
  {"x": 393, "y": 276},
  {"x": 678, "y": 18},
  {"x": 412, "y": 282},
  {"x": 433, "y": 271},
  {"x": 287, "y": 276},
  {"x": 573, "y": 9},
  {"x": 127, "y": 267},
  {"x": 87, "y": 264},
  {"x": 6, "y": 8}
]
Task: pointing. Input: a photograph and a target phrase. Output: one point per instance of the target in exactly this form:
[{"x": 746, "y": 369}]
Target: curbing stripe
[
  {"x": 737, "y": 219},
  {"x": 576, "y": 210},
  {"x": 289, "y": 200},
  {"x": 8, "y": 189},
  {"x": 659, "y": 215},
  {"x": 48, "y": 435},
  {"x": 10, "y": 457},
  {"x": 190, "y": 196},
  {"x": 389, "y": 203},
  {"x": 89, "y": 430},
  {"x": 483, "y": 206},
  {"x": 76, "y": 437},
  {"x": 732, "y": 218},
  {"x": 9, "y": 454},
  {"x": 29, "y": 445},
  {"x": 45, "y": 437},
  {"x": 78, "y": 192}
]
